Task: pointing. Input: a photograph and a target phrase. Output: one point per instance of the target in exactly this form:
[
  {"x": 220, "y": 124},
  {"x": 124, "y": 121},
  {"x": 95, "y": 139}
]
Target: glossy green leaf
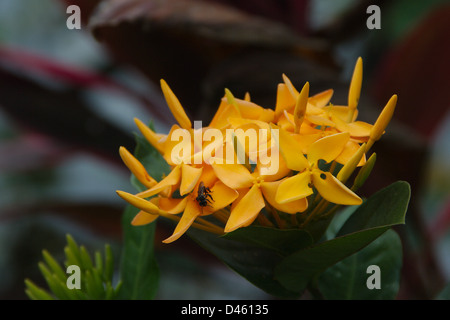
[
  {"x": 281, "y": 241},
  {"x": 375, "y": 216},
  {"x": 139, "y": 271},
  {"x": 385, "y": 208},
  {"x": 253, "y": 262},
  {"x": 347, "y": 279}
]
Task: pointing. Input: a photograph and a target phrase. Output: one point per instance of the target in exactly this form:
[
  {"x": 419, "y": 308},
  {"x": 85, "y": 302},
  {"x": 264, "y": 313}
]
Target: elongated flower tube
[
  {"x": 355, "y": 89},
  {"x": 383, "y": 120},
  {"x": 351, "y": 165},
  {"x": 136, "y": 168},
  {"x": 300, "y": 107},
  {"x": 175, "y": 106}
]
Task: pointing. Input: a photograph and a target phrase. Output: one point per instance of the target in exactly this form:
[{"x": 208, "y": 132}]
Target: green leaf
[
  {"x": 54, "y": 266},
  {"x": 139, "y": 271},
  {"x": 72, "y": 251},
  {"x": 317, "y": 228},
  {"x": 347, "y": 280},
  {"x": 109, "y": 264},
  {"x": 254, "y": 262},
  {"x": 383, "y": 210},
  {"x": 36, "y": 293},
  {"x": 282, "y": 241}
]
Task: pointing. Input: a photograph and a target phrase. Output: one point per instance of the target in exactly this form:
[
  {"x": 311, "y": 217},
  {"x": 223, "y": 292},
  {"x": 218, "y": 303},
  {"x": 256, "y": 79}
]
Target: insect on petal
[{"x": 222, "y": 196}]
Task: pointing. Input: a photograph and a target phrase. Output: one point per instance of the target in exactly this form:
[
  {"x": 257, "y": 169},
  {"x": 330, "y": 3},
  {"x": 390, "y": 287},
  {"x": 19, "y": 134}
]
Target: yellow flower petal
[
  {"x": 294, "y": 93},
  {"x": 139, "y": 203},
  {"x": 266, "y": 115},
  {"x": 357, "y": 129},
  {"x": 383, "y": 119},
  {"x": 245, "y": 124},
  {"x": 286, "y": 121},
  {"x": 172, "y": 179},
  {"x": 269, "y": 190},
  {"x": 280, "y": 168},
  {"x": 333, "y": 190},
  {"x": 136, "y": 168},
  {"x": 355, "y": 85},
  {"x": 171, "y": 205},
  {"x": 175, "y": 106},
  {"x": 246, "y": 210},
  {"x": 192, "y": 211},
  {"x": 327, "y": 148},
  {"x": 250, "y": 110},
  {"x": 241, "y": 194},
  {"x": 320, "y": 121},
  {"x": 179, "y": 146},
  {"x": 284, "y": 100},
  {"x": 294, "y": 188},
  {"x": 235, "y": 176},
  {"x": 351, "y": 164},
  {"x": 222, "y": 196},
  {"x": 342, "y": 112},
  {"x": 313, "y": 110},
  {"x": 349, "y": 151},
  {"x": 231, "y": 101},
  {"x": 208, "y": 177},
  {"x": 290, "y": 150},
  {"x": 225, "y": 111},
  {"x": 305, "y": 140},
  {"x": 189, "y": 178},
  {"x": 321, "y": 99},
  {"x": 156, "y": 140},
  {"x": 143, "y": 218},
  {"x": 300, "y": 107}
]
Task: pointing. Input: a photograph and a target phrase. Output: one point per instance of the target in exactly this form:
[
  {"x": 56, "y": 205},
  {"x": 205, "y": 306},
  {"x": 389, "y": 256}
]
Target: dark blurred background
[{"x": 68, "y": 99}]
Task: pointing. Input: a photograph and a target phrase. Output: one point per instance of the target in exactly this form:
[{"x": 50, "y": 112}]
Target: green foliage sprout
[{"x": 96, "y": 276}]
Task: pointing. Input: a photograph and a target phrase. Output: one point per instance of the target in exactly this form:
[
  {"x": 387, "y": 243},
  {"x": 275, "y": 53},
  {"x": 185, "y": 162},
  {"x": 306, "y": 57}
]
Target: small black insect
[{"x": 203, "y": 194}]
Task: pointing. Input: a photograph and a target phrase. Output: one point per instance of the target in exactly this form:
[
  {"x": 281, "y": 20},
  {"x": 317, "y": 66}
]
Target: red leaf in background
[
  {"x": 60, "y": 114},
  {"x": 30, "y": 151},
  {"x": 30, "y": 63},
  {"x": 418, "y": 71}
]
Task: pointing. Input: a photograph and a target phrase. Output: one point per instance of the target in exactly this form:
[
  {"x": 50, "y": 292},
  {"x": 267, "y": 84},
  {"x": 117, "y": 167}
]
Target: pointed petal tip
[{"x": 119, "y": 192}]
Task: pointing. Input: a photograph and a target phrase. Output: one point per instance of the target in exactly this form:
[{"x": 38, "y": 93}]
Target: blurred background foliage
[{"x": 68, "y": 99}]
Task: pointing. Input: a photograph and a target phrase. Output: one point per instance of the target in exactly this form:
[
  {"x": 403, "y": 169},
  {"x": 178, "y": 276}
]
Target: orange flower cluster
[{"x": 314, "y": 145}]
